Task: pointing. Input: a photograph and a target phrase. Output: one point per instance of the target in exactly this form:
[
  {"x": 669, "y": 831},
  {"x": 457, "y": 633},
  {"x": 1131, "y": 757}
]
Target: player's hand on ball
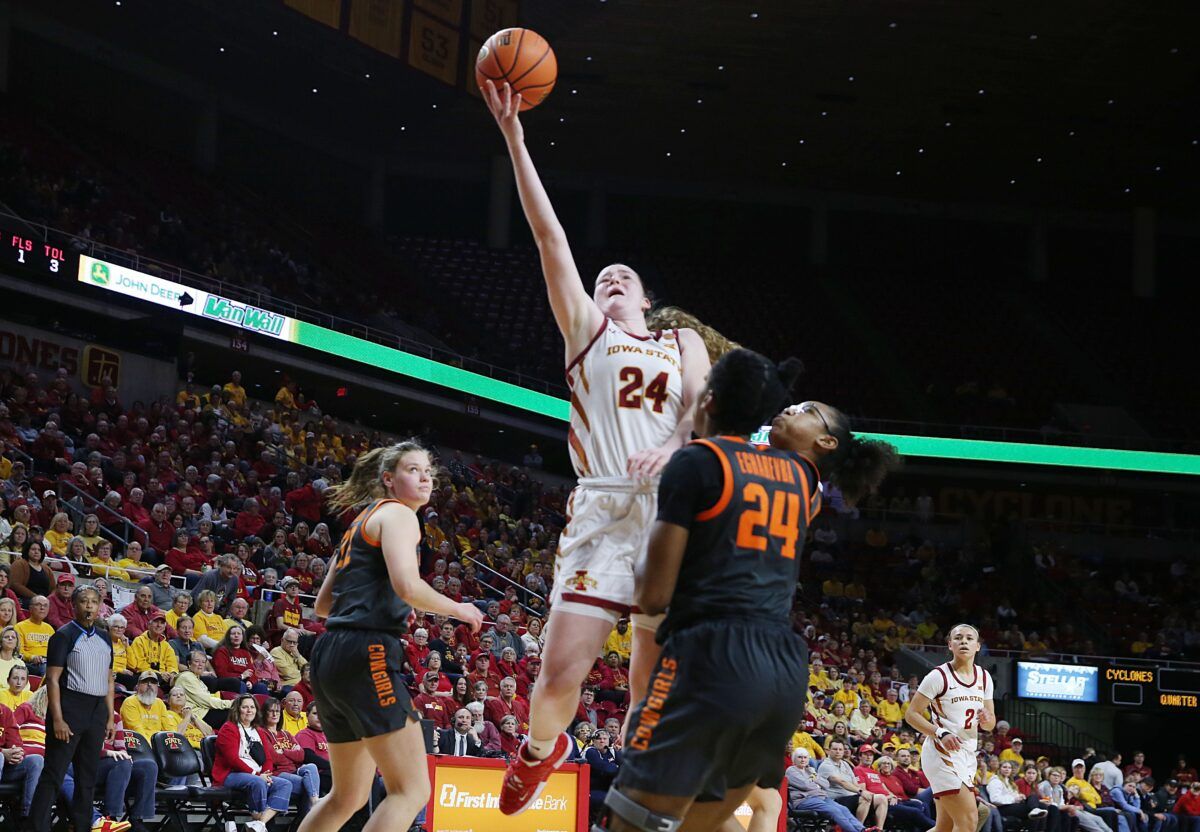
[
  {"x": 649, "y": 463},
  {"x": 505, "y": 108},
  {"x": 470, "y": 615}
]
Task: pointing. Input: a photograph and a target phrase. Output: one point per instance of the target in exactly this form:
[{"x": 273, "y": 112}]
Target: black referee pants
[{"x": 87, "y": 716}]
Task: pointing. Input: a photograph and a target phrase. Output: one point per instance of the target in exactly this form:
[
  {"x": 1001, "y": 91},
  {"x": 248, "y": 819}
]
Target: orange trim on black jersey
[
  {"x": 726, "y": 485},
  {"x": 362, "y": 529}
]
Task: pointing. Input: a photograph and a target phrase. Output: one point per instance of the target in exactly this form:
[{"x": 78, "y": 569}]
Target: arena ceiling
[{"x": 1065, "y": 103}]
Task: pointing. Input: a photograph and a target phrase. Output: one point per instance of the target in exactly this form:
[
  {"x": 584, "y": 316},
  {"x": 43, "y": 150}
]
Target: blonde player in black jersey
[{"x": 368, "y": 598}]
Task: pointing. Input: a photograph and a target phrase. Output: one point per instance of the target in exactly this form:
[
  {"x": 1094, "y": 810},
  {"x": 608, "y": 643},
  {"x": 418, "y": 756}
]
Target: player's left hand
[{"x": 649, "y": 463}]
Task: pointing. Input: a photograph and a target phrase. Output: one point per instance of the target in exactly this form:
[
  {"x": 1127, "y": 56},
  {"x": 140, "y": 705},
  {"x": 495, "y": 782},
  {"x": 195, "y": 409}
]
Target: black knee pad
[{"x": 638, "y": 815}]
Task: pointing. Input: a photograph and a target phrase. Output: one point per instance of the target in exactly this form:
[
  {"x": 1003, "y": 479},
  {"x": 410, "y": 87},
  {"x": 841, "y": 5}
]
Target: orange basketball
[{"x": 521, "y": 57}]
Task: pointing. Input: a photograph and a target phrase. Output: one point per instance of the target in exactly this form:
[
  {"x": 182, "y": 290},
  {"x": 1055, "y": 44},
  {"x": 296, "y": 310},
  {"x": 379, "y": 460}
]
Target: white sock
[{"x": 540, "y": 749}]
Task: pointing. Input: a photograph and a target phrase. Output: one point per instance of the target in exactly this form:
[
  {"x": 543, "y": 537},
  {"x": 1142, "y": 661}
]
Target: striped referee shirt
[{"x": 86, "y": 655}]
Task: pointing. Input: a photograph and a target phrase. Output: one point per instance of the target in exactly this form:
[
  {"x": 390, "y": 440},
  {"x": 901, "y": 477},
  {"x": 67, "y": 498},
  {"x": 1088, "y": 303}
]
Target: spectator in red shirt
[
  {"x": 507, "y": 704},
  {"x": 289, "y": 758},
  {"x": 232, "y": 659},
  {"x": 183, "y": 558},
  {"x": 160, "y": 533},
  {"x": 510, "y": 737},
  {"x": 417, "y": 650},
  {"x": 305, "y": 502},
  {"x": 235, "y": 766},
  {"x": 139, "y": 613},
  {"x": 1139, "y": 767},
  {"x": 906, "y": 811},
  {"x": 1187, "y": 806},
  {"x": 431, "y": 706},
  {"x": 249, "y": 521},
  {"x": 133, "y": 509},
  {"x": 62, "y": 608},
  {"x": 286, "y": 611},
  {"x": 483, "y": 673},
  {"x": 17, "y": 765},
  {"x": 614, "y": 684},
  {"x": 300, "y": 571},
  {"x": 316, "y": 747},
  {"x": 911, "y": 778}
]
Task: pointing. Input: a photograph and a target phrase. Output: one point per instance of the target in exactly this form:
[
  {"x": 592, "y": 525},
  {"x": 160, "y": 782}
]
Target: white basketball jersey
[
  {"x": 957, "y": 704},
  {"x": 626, "y": 396}
]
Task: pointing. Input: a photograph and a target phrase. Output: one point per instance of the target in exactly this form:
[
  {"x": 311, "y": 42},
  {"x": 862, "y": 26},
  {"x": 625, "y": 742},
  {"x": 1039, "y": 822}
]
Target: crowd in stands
[
  {"x": 81, "y": 182},
  {"x": 200, "y": 520}
]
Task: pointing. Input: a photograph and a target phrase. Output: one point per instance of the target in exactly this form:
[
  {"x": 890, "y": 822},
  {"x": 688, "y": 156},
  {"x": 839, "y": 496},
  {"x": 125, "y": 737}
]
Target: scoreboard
[
  {"x": 1149, "y": 686},
  {"x": 18, "y": 249}
]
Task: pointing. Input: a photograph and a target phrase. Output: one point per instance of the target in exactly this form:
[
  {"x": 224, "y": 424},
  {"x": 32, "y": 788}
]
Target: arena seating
[{"x": 489, "y": 305}]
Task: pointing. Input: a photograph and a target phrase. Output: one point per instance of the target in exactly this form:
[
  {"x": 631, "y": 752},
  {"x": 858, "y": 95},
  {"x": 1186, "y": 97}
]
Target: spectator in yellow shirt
[
  {"x": 295, "y": 719},
  {"x": 59, "y": 534},
  {"x": 833, "y": 588},
  {"x": 210, "y": 627},
  {"x": 891, "y": 711},
  {"x": 34, "y": 634},
  {"x": 1087, "y": 792},
  {"x": 180, "y": 605},
  {"x": 847, "y": 695},
  {"x": 1013, "y": 754},
  {"x": 16, "y": 690},
  {"x": 817, "y": 679},
  {"x": 103, "y": 564},
  {"x": 144, "y": 712},
  {"x": 151, "y": 651},
  {"x": 234, "y": 390},
  {"x": 620, "y": 640},
  {"x": 132, "y": 561},
  {"x": 803, "y": 739}
]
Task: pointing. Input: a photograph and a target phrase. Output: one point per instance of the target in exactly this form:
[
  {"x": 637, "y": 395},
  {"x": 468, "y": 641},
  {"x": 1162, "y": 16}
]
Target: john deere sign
[
  {"x": 186, "y": 299},
  {"x": 248, "y": 317}
]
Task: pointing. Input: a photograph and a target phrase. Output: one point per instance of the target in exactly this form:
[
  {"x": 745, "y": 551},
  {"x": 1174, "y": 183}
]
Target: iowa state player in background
[
  {"x": 958, "y": 695},
  {"x": 723, "y": 563},
  {"x": 632, "y": 392}
]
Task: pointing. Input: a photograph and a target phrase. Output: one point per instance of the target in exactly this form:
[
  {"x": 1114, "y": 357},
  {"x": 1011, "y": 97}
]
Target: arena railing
[
  {"x": 267, "y": 301},
  {"x": 91, "y": 505},
  {"x": 1038, "y": 728},
  {"x": 1062, "y": 658}
]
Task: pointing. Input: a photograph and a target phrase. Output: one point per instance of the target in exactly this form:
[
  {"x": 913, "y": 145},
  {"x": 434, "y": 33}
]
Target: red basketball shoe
[{"x": 526, "y": 777}]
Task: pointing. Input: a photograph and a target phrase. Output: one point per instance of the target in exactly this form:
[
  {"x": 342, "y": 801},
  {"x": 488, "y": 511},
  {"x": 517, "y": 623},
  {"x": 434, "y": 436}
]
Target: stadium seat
[{"x": 221, "y": 804}]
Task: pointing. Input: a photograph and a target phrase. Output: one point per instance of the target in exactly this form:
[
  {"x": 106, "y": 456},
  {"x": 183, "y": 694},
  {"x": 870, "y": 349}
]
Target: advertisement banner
[
  {"x": 30, "y": 349},
  {"x": 466, "y": 798},
  {"x": 1061, "y": 682},
  {"x": 202, "y": 304}
]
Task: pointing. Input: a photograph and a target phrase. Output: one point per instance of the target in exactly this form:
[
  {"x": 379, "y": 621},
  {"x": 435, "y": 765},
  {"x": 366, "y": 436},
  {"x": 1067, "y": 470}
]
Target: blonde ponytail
[
  {"x": 672, "y": 317},
  {"x": 365, "y": 482}
]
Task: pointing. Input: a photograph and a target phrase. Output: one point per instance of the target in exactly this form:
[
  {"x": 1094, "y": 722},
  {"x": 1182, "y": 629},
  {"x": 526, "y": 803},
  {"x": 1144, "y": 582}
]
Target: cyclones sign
[{"x": 466, "y": 798}]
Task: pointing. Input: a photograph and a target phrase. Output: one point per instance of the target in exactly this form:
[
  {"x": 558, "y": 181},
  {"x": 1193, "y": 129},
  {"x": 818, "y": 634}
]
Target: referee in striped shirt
[{"x": 79, "y": 679}]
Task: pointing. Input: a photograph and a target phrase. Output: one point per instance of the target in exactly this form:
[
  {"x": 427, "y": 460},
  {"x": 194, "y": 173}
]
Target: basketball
[{"x": 521, "y": 57}]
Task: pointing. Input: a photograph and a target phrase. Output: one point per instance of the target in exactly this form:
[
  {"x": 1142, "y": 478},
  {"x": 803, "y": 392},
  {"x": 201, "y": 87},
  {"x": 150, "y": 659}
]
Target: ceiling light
[
  {"x": 920, "y": 150},
  {"x": 783, "y": 164},
  {"x": 699, "y": 100},
  {"x": 668, "y": 153},
  {"x": 824, "y": 113},
  {"x": 947, "y": 124},
  {"x": 367, "y": 76},
  {"x": 1033, "y": 37},
  {"x": 574, "y": 92},
  {"x": 897, "y": 173},
  {"x": 1111, "y": 101},
  {"x": 851, "y": 78},
  {"x": 893, "y": 25},
  {"x": 220, "y": 48},
  {"x": 682, "y": 129},
  {"x": 1012, "y": 181},
  {"x": 1038, "y": 159},
  {"x": 1070, "y": 132},
  {"x": 1127, "y": 190},
  {"x": 981, "y": 92},
  {"x": 274, "y": 34},
  {"x": 314, "y": 89},
  {"x": 802, "y": 141},
  {"x": 589, "y": 57},
  {"x": 720, "y": 67},
  {"x": 754, "y": 15}
]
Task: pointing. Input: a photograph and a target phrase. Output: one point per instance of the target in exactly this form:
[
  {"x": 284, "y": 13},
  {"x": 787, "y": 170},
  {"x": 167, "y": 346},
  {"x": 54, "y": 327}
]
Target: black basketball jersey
[
  {"x": 745, "y": 535},
  {"x": 363, "y": 597}
]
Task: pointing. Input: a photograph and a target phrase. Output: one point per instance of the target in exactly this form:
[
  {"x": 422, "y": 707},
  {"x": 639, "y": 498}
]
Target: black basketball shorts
[
  {"x": 358, "y": 684},
  {"x": 722, "y": 702}
]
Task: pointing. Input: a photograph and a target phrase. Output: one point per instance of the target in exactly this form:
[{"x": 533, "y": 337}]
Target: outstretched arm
[{"x": 574, "y": 310}]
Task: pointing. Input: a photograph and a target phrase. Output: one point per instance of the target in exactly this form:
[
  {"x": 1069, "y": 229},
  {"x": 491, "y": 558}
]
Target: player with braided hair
[{"x": 723, "y": 564}]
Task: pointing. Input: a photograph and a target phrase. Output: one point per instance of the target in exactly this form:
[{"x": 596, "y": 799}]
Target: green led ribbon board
[{"x": 162, "y": 292}]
